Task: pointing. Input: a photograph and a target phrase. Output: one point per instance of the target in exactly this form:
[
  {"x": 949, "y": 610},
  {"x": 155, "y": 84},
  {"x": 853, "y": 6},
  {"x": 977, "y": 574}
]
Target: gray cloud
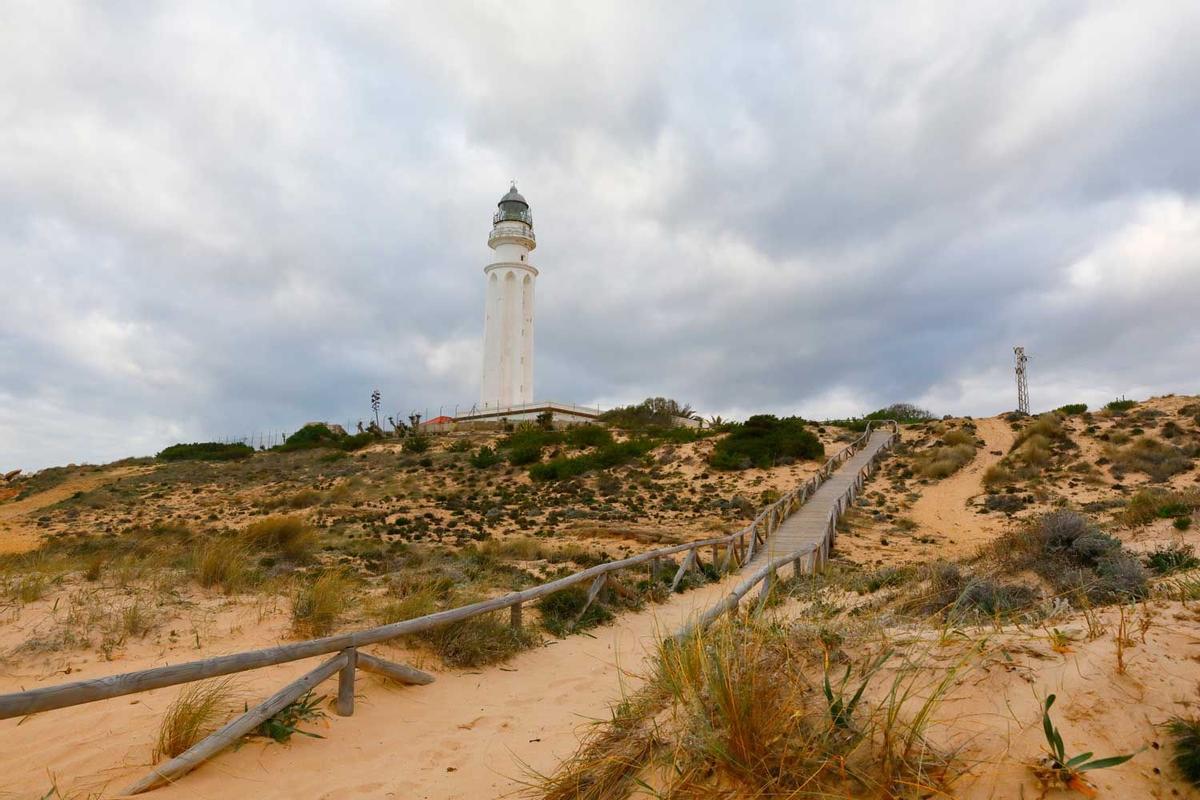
[{"x": 216, "y": 221}]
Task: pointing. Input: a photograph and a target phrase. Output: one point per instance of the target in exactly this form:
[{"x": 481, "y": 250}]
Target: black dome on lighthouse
[
  {"x": 513, "y": 207},
  {"x": 513, "y": 196}
]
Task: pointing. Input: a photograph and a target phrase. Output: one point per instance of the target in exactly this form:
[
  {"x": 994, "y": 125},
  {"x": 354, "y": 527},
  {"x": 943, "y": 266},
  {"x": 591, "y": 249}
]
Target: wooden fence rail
[{"x": 739, "y": 547}]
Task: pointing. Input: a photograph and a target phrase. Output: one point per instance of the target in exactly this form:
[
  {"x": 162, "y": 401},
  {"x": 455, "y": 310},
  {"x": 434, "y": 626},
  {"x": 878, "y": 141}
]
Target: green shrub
[
  {"x": 525, "y": 454},
  {"x": 1185, "y": 743},
  {"x": 478, "y": 641},
  {"x": 653, "y": 412},
  {"x": 1151, "y": 504},
  {"x": 1072, "y": 409},
  {"x": 484, "y": 458},
  {"x": 206, "y": 451},
  {"x": 1047, "y": 427},
  {"x": 528, "y": 436},
  {"x": 603, "y": 458},
  {"x": 460, "y": 446},
  {"x": 560, "y": 609},
  {"x": 358, "y": 441},
  {"x": 1120, "y": 405},
  {"x": 415, "y": 444},
  {"x": 316, "y": 434},
  {"x": 904, "y": 413},
  {"x": 958, "y": 436},
  {"x": 959, "y": 595},
  {"x": 411, "y": 606},
  {"x": 589, "y": 436},
  {"x": 1169, "y": 558},
  {"x": 763, "y": 440}
]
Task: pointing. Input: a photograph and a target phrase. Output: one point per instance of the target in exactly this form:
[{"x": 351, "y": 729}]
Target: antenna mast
[{"x": 1022, "y": 383}]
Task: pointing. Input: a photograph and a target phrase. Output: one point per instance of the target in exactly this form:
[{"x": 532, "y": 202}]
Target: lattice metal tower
[{"x": 1022, "y": 382}]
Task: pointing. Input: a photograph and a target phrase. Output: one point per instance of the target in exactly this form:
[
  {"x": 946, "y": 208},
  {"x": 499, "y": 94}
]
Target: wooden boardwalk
[{"x": 808, "y": 525}]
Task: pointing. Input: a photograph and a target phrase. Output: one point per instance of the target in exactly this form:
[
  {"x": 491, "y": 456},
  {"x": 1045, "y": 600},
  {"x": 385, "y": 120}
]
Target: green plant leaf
[
  {"x": 1105, "y": 763},
  {"x": 1079, "y": 759}
]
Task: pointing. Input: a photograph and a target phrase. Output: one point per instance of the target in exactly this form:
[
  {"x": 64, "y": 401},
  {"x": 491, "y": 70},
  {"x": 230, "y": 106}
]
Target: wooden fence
[{"x": 732, "y": 550}]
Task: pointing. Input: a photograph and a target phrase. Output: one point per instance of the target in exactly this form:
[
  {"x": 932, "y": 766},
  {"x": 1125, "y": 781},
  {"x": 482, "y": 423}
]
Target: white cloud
[{"x": 217, "y": 220}]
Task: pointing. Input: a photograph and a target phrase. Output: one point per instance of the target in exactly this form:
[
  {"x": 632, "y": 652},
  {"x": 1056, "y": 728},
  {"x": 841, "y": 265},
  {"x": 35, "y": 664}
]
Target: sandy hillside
[{"x": 951, "y": 489}]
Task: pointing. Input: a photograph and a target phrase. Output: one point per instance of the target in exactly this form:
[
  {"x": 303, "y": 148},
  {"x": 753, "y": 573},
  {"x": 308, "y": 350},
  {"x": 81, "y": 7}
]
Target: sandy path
[
  {"x": 19, "y": 533},
  {"x": 943, "y": 507},
  {"x": 464, "y": 736}
]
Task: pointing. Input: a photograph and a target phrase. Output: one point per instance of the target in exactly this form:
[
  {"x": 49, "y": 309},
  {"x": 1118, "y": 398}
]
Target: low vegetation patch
[
  {"x": 564, "y": 612},
  {"x": 1185, "y": 747},
  {"x": 1075, "y": 557},
  {"x": 1072, "y": 409},
  {"x": 477, "y": 641},
  {"x": 601, "y": 458},
  {"x": 206, "y": 451},
  {"x": 1168, "y": 558},
  {"x": 653, "y": 412},
  {"x": 959, "y": 596},
  {"x": 764, "y": 441},
  {"x": 955, "y": 450},
  {"x": 1150, "y": 456},
  {"x": 903, "y": 413},
  {"x": 318, "y": 434},
  {"x": 1151, "y": 504}
]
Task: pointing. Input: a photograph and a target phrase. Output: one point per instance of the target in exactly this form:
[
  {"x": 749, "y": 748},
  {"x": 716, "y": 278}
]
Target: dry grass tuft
[
  {"x": 745, "y": 710},
  {"x": 291, "y": 537},
  {"x": 199, "y": 710},
  {"x": 317, "y": 603},
  {"x": 224, "y": 562}
]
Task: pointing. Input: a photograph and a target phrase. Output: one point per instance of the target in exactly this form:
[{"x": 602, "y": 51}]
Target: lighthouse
[{"x": 508, "y": 306}]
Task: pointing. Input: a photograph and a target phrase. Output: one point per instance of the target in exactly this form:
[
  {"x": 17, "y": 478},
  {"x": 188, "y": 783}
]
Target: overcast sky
[{"x": 224, "y": 218}]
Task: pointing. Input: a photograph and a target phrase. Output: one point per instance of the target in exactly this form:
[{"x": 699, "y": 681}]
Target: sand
[
  {"x": 944, "y": 507},
  {"x": 464, "y": 736}
]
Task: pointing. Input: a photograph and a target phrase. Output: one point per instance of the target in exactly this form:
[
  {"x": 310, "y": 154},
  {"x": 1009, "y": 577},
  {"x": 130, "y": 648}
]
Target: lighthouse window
[{"x": 522, "y": 257}]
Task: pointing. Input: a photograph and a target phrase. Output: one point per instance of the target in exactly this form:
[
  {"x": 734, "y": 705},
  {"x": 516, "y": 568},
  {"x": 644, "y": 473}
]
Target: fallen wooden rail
[{"x": 739, "y": 547}]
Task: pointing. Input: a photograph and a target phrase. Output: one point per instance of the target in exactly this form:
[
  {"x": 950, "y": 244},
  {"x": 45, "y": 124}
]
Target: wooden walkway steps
[{"x": 807, "y": 527}]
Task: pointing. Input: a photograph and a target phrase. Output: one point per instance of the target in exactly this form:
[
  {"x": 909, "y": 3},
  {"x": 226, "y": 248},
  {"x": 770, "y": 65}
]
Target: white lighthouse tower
[{"x": 508, "y": 310}]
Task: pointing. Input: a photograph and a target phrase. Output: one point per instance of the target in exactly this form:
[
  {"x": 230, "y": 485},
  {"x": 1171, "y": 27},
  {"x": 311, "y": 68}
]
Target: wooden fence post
[
  {"x": 765, "y": 591},
  {"x": 515, "y": 615},
  {"x": 345, "y": 695},
  {"x": 683, "y": 568},
  {"x": 593, "y": 590}
]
